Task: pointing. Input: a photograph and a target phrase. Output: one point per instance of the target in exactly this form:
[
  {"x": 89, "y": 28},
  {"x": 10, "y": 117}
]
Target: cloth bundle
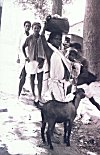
[{"x": 56, "y": 24}]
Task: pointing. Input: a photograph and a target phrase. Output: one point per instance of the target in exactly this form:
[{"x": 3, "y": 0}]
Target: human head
[
  {"x": 27, "y": 25},
  {"x": 55, "y": 39},
  {"x": 66, "y": 43},
  {"x": 77, "y": 46},
  {"x": 73, "y": 54},
  {"x": 36, "y": 26}
]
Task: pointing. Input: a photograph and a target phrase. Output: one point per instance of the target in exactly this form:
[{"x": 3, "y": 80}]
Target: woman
[{"x": 58, "y": 67}]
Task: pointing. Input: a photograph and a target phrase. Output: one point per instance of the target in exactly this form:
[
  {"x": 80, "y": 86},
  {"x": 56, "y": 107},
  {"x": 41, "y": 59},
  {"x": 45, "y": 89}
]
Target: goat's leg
[
  {"x": 53, "y": 128},
  {"x": 65, "y": 131},
  {"x": 48, "y": 136},
  {"x": 49, "y": 133},
  {"x": 69, "y": 133},
  {"x": 43, "y": 127},
  {"x": 42, "y": 131}
]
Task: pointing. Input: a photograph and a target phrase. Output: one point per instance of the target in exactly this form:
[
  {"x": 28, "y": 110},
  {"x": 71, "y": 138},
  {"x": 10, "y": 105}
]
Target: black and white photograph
[{"x": 49, "y": 77}]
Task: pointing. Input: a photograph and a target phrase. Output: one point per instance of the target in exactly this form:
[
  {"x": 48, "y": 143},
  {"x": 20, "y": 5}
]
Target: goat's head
[{"x": 81, "y": 92}]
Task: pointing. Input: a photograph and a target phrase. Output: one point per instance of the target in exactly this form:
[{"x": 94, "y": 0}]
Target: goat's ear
[{"x": 74, "y": 93}]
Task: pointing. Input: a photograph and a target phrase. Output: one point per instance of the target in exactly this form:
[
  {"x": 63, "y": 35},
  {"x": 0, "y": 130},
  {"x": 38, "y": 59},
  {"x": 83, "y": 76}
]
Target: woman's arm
[{"x": 47, "y": 49}]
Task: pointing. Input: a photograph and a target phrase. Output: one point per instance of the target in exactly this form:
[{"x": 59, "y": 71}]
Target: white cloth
[
  {"x": 74, "y": 72},
  {"x": 55, "y": 83},
  {"x": 57, "y": 88},
  {"x": 32, "y": 67},
  {"x": 87, "y": 89},
  {"x": 45, "y": 86},
  {"x": 21, "y": 41},
  {"x": 60, "y": 54}
]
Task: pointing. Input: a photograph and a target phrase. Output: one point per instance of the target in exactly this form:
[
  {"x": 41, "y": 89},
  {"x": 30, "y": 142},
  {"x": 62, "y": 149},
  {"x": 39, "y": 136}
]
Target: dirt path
[
  {"x": 20, "y": 127},
  {"x": 20, "y": 121},
  {"x": 20, "y": 131}
]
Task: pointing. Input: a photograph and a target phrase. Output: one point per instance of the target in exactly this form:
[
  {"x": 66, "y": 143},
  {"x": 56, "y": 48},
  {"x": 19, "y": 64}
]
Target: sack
[
  {"x": 55, "y": 24},
  {"x": 88, "y": 78}
]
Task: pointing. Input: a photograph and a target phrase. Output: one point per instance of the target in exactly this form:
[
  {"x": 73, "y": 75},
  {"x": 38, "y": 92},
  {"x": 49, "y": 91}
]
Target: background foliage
[{"x": 42, "y": 7}]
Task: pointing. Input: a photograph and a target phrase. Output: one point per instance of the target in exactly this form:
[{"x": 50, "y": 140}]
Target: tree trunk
[
  {"x": 91, "y": 35},
  {"x": 1, "y": 4},
  {"x": 57, "y": 7},
  {"x": 0, "y": 15}
]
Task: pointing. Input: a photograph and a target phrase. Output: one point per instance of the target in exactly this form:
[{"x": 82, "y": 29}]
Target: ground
[{"x": 20, "y": 120}]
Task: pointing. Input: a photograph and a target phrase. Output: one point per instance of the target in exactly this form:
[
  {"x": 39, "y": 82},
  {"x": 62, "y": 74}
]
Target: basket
[{"x": 57, "y": 25}]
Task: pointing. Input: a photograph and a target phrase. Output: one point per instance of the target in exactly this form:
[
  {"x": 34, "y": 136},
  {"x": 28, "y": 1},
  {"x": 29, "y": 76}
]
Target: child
[
  {"x": 21, "y": 60},
  {"x": 35, "y": 58}
]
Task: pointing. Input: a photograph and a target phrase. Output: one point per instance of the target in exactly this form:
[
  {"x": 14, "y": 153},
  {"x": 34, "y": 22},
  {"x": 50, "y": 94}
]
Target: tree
[
  {"x": 44, "y": 7},
  {"x": 91, "y": 35},
  {"x": 41, "y": 7},
  {"x": 57, "y": 7},
  {"x": 1, "y": 4}
]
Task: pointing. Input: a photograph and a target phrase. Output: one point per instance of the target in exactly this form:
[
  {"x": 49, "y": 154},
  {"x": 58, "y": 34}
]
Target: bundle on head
[
  {"x": 57, "y": 24},
  {"x": 54, "y": 111}
]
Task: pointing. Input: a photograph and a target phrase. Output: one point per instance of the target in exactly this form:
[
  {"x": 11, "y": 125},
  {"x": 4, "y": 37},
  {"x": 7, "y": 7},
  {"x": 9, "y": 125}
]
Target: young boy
[
  {"x": 84, "y": 78},
  {"x": 21, "y": 60},
  {"x": 34, "y": 58}
]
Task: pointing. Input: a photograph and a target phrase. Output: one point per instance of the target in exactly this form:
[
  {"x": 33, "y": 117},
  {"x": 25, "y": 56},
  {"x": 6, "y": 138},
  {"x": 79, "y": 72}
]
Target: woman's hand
[{"x": 40, "y": 63}]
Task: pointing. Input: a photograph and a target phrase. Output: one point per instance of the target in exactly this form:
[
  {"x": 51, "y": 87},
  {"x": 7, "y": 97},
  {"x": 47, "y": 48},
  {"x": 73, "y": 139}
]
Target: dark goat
[{"x": 54, "y": 111}]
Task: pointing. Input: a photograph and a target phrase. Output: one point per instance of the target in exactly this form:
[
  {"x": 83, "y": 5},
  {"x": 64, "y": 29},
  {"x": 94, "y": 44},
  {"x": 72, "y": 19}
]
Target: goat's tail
[{"x": 38, "y": 105}]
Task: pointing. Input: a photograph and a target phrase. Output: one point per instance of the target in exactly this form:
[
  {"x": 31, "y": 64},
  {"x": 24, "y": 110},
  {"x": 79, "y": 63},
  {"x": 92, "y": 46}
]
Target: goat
[{"x": 54, "y": 111}]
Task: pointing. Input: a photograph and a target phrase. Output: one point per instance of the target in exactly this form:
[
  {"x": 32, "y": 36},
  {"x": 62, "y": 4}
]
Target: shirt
[
  {"x": 22, "y": 39},
  {"x": 35, "y": 48}
]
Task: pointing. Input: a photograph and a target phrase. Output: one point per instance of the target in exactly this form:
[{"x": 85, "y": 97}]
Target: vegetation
[{"x": 43, "y": 7}]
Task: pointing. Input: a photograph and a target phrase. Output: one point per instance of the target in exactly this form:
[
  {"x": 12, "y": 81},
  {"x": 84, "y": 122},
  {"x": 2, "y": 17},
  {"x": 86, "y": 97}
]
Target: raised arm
[{"x": 47, "y": 49}]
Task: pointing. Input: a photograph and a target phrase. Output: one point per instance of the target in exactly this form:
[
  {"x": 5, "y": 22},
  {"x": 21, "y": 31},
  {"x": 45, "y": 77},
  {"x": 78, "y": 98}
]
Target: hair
[
  {"x": 67, "y": 39},
  {"x": 36, "y": 23},
  {"x": 76, "y": 46},
  {"x": 73, "y": 51},
  {"x": 53, "y": 34},
  {"x": 27, "y": 22}
]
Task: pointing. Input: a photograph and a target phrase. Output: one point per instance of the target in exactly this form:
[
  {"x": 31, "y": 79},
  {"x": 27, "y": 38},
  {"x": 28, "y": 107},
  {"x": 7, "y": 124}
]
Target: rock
[
  {"x": 91, "y": 153},
  {"x": 86, "y": 119},
  {"x": 91, "y": 141},
  {"x": 3, "y": 110}
]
